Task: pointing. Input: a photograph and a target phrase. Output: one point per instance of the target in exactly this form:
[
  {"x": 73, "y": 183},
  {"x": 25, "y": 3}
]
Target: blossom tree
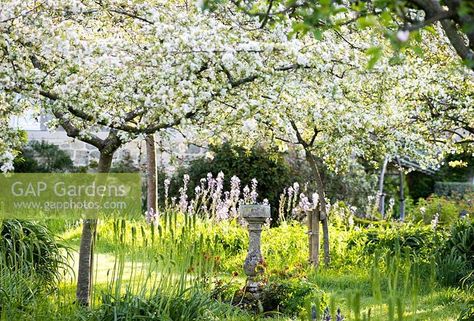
[
  {"x": 447, "y": 107},
  {"x": 335, "y": 110},
  {"x": 399, "y": 20},
  {"x": 137, "y": 68},
  {"x": 132, "y": 68}
]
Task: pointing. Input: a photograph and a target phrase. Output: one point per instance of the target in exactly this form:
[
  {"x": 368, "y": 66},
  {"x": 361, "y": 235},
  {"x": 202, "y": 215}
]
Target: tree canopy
[
  {"x": 399, "y": 20},
  {"x": 138, "y": 67}
]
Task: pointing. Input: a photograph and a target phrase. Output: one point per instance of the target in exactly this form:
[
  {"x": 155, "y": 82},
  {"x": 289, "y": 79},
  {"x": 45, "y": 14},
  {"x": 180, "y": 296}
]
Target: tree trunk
[
  {"x": 314, "y": 237},
  {"x": 319, "y": 184},
  {"x": 84, "y": 275},
  {"x": 151, "y": 174},
  {"x": 86, "y": 250},
  {"x": 322, "y": 203}
]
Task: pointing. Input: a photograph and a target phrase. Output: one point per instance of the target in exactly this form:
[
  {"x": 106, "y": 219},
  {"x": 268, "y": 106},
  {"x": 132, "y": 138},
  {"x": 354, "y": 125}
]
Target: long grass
[{"x": 178, "y": 268}]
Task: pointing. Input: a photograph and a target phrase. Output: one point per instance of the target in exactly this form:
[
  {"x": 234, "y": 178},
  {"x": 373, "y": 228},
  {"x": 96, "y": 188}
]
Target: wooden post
[
  {"x": 315, "y": 237},
  {"x": 381, "y": 194},
  {"x": 310, "y": 236},
  {"x": 402, "y": 191},
  {"x": 327, "y": 258},
  {"x": 151, "y": 175}
]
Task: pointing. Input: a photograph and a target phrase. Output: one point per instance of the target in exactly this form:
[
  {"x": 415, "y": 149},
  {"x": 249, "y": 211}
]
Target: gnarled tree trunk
[
  {"x": 322, "y": 203},
  {"x": 311, "y": 159}
]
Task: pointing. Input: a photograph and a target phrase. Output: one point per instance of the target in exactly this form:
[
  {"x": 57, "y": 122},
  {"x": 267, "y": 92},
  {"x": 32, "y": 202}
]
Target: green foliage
[
  {"x": 224, "y": 245},
  {"x": 42, "y": 157},
  {"x": 448, "y": 209},
  {"x": 420, "y": 185},
  {"x": 178, "y": 257},
  {"x": 17, "y": 289},
  {"x": 375, "y": 53},
  {"x": 449, "y": 180},
  {"x": 28, "y": 247},
  {"x": 32, "y": 263},
  {"x": 231, "y": 241},
  {"x": 194, "y": 305},
  {"x": 461, "y": 173},
  {"x": 392, "y": 191},
  {"x": 453, "y": 188},
  {"x": 285, "y": 249},
  {"x": 125, "y": 165},
  {"x": 168, "y": 271},
  {"x": 467, "y": 314},
  {"x": 289, "y": 297},
  {"x": 232, "y": 237},
  {"x": 271, "y": 171},
  {"x": 407, "y": 239},
  {"x": 353, "y": 187},
  {"x": 456, "y": 256}
]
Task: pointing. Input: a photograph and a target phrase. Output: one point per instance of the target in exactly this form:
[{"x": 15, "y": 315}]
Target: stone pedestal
[{"x": 255, "y": 215}]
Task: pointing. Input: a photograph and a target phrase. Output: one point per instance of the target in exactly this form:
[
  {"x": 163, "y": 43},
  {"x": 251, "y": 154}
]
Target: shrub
[
  {"x": 230, "y": 235},
  {"x": 457, "y": 167},
  {"x": 28, "y": 247},
  {"x": 456, "y": 256},
  {"x": 285, "y": 248},
  {"x": 420, "y": 185},
  {"x": 448, "y": 209},
  {"x": 187, "y": 305},
  {"x": 407, "y": 239},
  {"x": 288, "y": 296},
  {"x": 42, "y": 157},
  {"x": 271, "y": 171},
  {"x": 453, "y": 188},
  {"x": 31, "y": 265}
]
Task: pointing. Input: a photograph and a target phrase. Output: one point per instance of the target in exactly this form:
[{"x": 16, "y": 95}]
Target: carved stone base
[{"x": 256, "y": 216}]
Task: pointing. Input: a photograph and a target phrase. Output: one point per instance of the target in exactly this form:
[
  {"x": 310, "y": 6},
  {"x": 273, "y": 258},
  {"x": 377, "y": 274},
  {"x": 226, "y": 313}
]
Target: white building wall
[{"x": 170, "y": 154}]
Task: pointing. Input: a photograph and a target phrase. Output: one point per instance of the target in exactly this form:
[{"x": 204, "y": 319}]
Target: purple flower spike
[{"x": 326, "y": 315}]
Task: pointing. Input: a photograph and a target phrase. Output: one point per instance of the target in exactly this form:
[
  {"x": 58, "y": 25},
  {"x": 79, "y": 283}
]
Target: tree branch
[
  {"x": 74, "y": 132},
  {"x": 131, "y": 15},
  {"x": 444, "y": 14},
  {"x": 300, "y": 138},
  {"x": 265, "y": 19},
  {"x": 316, "y": 132},
  {"x": 23, "y": 14},
  {"x": 457, "y": 41}
]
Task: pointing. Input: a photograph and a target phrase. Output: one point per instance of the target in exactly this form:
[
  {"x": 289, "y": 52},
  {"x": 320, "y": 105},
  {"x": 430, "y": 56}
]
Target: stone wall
[{"x": 170, "y": 154}]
